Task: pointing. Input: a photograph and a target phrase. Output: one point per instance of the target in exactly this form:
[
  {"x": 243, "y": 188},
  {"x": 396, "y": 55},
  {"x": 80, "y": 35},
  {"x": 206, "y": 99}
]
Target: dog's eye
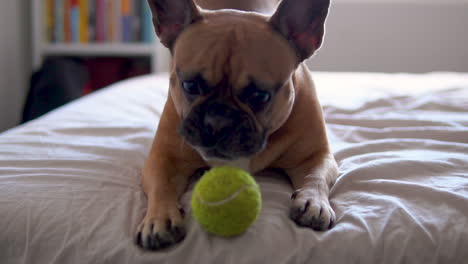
[
  {"x": 259, "y": 98},
  {"x": 191, "y": 87}
]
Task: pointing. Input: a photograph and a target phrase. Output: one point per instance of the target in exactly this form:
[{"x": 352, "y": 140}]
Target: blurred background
[{"x": 54, "y": 51}]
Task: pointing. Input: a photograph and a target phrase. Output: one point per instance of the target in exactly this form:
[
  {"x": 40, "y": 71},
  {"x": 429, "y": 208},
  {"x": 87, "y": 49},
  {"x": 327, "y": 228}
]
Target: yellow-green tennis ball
[{"x": 226, "y": 201}]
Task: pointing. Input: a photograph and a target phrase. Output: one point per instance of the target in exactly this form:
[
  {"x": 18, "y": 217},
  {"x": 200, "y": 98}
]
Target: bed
[{"x": 70, "y": 187}]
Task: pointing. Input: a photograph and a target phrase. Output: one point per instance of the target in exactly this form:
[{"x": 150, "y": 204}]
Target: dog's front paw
[
  {"x": 161, "y": 229},
  {"x": 309, "y": 209}
]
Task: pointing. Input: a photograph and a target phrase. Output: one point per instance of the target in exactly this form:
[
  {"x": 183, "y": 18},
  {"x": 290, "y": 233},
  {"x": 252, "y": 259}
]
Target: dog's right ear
[{"x": 171, "y": 17}]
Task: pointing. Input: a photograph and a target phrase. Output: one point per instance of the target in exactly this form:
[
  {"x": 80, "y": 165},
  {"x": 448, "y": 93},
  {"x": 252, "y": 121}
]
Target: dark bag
[{"x": 59, "y": 81}]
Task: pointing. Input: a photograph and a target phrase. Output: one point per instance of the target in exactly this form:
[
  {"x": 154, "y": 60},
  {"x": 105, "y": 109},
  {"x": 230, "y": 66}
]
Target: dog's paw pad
[{"x": 311, "y": 211}]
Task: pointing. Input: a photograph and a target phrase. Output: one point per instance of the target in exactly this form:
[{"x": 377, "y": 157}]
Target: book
[
  {"x": 75, "y": 21},
  {"x": 49, "y": 21},
  {"x": 83, "y": 21},
  {"x": 100, "y": 20},
  {"x": 117, "y": 21},
  {"x": 58, "y": 22},
  {"x": 92, "y": 20},
  {"x": 136, "y": 21},
  {"x": 110, "y": 20},
  {"x": 67, "y": 20},
  {"x": 147, "y": 31},
  {"x": 126, "y": 21}
]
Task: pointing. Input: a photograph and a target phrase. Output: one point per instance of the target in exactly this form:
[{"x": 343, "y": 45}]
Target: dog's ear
[
  {"x": 171, "y": 17},
  {"x": 302, "y": 23}
]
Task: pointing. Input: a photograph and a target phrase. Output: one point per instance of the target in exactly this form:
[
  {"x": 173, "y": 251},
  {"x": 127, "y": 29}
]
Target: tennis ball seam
[{"x": 227, "y": 199}]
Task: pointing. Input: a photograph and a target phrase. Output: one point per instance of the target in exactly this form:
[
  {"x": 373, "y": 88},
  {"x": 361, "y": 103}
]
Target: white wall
[
  {"x": 395, "y": 36},
  {"x": 14, "y": 60}
]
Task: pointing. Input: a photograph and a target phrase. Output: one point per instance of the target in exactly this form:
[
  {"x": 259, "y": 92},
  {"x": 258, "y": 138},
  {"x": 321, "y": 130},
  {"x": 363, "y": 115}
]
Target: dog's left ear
[
  {"x": 302, "y": 23},
  {"x": 171, "y": 17}
]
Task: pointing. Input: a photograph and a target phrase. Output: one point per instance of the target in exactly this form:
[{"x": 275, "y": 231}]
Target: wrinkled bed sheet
[{"x": 70, "y": 181}]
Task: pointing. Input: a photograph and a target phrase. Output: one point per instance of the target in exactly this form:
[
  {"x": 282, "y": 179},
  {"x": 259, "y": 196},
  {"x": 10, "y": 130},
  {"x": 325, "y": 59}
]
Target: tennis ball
[{"x": 226, "y": 201}]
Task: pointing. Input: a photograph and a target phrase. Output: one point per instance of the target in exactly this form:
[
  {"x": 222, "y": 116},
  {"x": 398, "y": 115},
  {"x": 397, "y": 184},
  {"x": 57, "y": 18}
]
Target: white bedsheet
[{"x": 70, "y": 182}]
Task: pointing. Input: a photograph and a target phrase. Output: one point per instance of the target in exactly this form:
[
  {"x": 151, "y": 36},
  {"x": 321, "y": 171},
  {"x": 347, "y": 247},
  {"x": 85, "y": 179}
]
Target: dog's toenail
[
  {"x": 306, "y": 206},
  {"x": 182, "y": 212},
  {"x": 294, "y": 194},
  {"x": 138, "y": 239}
]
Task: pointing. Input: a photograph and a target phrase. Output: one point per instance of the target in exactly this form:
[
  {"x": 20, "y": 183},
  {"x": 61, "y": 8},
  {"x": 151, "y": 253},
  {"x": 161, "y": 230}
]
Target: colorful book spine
[
  {"x": 67, "y": 21},
  {"x": 83, "y": 21},
  {"x": 117, "y": 22},
  {"x": 92, "y": 20},
  {"x": 75, "y": 21},
  {"x": 126, "y": 21},
  {"x": 49, "y": 21},
  {"x": 147, "y": 24},
  {"x": 100, "y": 20},
  {"x": 110, "y": 19},
  {"x": 58, "y": 25},
  {"x": 136, "y": 20}
]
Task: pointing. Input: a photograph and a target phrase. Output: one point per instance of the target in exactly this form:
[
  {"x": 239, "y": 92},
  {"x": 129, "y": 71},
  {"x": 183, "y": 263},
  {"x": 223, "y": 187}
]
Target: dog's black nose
[
  {"x": 218, "y": 122},
  {"x": 216, "y": 125}
]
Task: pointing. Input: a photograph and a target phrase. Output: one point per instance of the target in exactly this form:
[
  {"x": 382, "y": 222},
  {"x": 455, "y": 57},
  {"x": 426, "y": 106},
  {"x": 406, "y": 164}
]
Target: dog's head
[{"x": 231, "y": 71}]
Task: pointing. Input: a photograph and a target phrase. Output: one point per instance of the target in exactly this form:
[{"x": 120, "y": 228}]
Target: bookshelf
[{"x": 42, "y": 47}]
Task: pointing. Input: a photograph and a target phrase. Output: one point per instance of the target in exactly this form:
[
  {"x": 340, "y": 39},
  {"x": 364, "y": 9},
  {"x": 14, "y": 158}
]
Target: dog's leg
[
  {"x": 163, "y": 224},
  {"x": 165, "y": 177},
  {"x": 312, "y": 180}
]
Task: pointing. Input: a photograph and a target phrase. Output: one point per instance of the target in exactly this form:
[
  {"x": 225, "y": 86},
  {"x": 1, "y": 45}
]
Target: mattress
[{"x": 70, "y": 188}]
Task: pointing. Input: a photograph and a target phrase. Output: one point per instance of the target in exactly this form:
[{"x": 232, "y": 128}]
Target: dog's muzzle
[{"x": 221, "y": 131}]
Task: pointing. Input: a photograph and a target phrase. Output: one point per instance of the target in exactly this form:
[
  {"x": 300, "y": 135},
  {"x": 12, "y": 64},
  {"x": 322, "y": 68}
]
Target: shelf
[
  {"x": 104, "y": 49},
  {"x": 41, "y": 48}
]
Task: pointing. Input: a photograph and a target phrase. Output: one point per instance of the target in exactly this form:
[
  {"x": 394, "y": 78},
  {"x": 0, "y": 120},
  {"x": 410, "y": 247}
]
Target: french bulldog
[{"x": 240, "y": 94}]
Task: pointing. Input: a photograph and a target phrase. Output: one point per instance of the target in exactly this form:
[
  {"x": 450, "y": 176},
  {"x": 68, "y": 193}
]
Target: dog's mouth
[
  {"x": 232, "y": 146},
  {"x": 208, "y": 154},
  {"x": 229, "y": 151}
]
